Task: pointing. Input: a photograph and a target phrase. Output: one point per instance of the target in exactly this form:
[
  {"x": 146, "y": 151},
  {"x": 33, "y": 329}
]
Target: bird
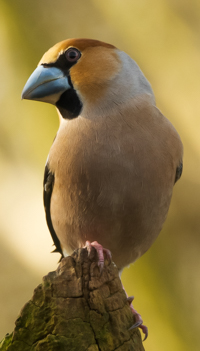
[{"x": 111, "y": 169}]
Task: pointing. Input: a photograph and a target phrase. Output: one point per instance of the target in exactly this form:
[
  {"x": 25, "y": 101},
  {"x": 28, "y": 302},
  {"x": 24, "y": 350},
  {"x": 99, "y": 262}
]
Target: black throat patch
[{"x": 69, "y": 104}]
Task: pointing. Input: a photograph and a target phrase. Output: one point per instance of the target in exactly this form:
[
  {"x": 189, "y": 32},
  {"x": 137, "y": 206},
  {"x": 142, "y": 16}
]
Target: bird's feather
[{"x": 47, "y": 192}]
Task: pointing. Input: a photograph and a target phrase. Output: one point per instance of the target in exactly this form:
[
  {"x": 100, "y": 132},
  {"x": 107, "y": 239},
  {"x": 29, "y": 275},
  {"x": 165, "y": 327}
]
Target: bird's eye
[{"x": 72, "y": 55}]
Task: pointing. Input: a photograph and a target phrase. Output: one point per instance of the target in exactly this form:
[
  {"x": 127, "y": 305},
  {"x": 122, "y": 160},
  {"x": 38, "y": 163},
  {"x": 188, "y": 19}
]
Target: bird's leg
[
  {"x": 100, "y": 252},
  {"x": 138, "y": 319}
]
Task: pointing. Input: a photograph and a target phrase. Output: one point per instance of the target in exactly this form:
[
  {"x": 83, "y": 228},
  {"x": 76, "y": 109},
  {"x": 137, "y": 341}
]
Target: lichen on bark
[{"x": 76, "y": 308}]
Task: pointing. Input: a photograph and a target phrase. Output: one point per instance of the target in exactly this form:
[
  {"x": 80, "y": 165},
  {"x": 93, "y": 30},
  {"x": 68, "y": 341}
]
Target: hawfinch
[{"x": 111, "y": 169}]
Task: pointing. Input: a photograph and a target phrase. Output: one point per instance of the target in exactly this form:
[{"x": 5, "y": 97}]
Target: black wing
[
  {"x": 47, "y": 191},
  {"x": 179, "y": 171}
]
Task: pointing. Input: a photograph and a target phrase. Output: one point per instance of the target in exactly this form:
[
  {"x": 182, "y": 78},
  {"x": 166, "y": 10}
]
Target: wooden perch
[{"x": 76, "y": 309}]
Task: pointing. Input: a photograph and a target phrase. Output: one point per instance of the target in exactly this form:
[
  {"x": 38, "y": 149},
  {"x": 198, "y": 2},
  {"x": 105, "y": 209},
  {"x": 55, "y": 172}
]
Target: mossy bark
[{"x": 76, "y": 309}]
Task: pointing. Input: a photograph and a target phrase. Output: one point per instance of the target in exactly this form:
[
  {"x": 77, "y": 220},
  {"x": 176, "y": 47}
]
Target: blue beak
[{"x": 46, "y": 84}]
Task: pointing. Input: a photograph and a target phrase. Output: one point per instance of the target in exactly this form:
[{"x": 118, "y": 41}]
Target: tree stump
[{"x": 76, "y": 308}]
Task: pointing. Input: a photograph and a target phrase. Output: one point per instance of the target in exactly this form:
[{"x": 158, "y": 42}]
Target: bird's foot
[
  {"x": 100, "y": 252},
  {"x": 138, "y": 319}
]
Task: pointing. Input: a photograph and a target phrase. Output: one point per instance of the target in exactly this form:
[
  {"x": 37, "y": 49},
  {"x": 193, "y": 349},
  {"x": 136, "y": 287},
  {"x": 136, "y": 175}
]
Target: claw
[
  {"x": 130, "y": 299},
  {"x": 144, "y": 329},
  {"x": 88, "y": 246},
  {"x": 139, "y": 323},
  {"x": 100, "y": 252},
  {"x": 138, "y": 319},
  {"x": 135, "y": 325}
]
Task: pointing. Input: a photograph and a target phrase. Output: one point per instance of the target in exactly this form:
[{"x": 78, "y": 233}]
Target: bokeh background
[{"x": 163, "y": 36}]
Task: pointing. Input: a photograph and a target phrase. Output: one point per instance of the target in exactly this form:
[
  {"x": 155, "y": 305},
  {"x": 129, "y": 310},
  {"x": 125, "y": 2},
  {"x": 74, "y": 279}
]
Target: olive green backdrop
[{"x": 163, "y": 36}]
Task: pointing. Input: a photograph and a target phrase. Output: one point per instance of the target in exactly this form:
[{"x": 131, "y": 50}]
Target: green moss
[
  {"x": 57, "y": 343},
  {"x": 6, "y": 342}
]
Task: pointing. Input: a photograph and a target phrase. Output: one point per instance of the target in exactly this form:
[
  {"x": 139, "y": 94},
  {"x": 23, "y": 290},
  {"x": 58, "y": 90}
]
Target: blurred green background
[{"x": 163, "y": 36}]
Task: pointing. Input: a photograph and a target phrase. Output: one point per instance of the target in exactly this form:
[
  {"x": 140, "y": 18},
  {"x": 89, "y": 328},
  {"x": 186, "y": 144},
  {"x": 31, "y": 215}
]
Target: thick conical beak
[{"x": 46, "y": 84}]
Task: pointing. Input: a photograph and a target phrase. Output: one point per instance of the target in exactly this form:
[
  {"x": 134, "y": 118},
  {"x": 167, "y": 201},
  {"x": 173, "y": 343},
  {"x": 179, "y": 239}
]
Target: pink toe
[{"x": 100, "y": 252}]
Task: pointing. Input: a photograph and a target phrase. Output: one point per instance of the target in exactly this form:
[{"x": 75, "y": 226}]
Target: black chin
[{"x": 69, "y": 104}]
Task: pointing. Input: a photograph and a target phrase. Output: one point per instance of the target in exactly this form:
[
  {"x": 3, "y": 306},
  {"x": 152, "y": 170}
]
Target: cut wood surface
[{"x": 76, "y": 308}]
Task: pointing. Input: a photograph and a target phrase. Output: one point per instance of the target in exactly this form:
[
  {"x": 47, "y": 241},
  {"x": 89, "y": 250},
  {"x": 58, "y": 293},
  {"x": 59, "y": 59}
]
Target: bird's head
[{"x": 79, "y": 73}]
